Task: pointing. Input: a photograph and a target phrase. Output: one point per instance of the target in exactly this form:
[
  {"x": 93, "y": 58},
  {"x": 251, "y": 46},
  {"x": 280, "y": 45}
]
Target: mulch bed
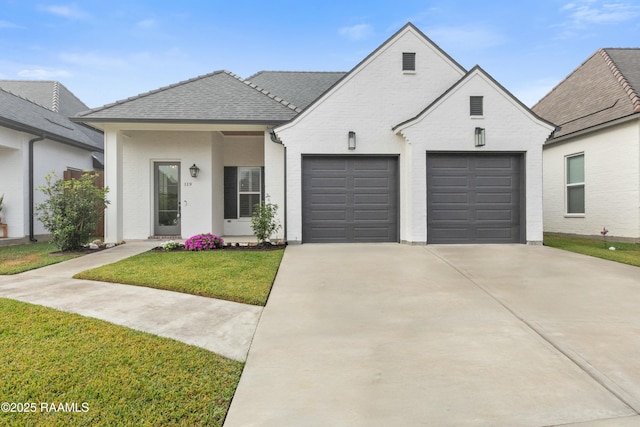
[{"x": 232, "y": 247}]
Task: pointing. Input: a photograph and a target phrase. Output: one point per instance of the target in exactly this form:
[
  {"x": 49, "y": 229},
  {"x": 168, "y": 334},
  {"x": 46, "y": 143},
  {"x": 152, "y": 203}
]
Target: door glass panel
[{"x": 168, "y": 195}]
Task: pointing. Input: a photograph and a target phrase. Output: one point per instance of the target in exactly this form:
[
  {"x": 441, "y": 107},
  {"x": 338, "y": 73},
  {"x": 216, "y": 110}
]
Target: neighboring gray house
[
  {"x": 36, "y": 138},
  {"x": 592, "y": 160},
  {"x": 408, "y": 146}
]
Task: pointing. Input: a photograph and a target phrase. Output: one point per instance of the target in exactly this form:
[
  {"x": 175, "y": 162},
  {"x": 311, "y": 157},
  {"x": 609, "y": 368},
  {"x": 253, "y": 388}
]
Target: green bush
[
  {"x": 264, "y": 220},
  {"x": 72, "y": 209}
]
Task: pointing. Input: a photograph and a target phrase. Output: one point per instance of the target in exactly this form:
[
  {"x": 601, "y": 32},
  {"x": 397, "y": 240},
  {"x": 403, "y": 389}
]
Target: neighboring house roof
[
  {"x": 50, "y": 94},
  {"x": 219, "y": 97},
  {"x": 604, "y": 88},
  {"x": 301, "y": 88},
  {"x": 25, "y": 116}
]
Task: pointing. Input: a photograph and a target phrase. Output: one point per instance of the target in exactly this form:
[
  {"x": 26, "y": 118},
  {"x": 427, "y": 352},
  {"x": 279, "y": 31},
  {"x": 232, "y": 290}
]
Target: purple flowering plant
[{"x": 203, "y": 242}]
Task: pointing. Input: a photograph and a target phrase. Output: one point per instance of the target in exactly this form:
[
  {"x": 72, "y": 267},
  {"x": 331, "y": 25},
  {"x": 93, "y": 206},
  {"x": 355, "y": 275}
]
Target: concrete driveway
[{"x": 487, "y": 335}]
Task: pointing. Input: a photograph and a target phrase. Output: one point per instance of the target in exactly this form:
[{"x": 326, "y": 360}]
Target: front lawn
[
  {"x": 627, "y": 253},
  {"x": 106, "y": 375},
  {"x": 20, "y": 258},
  {"x": 241, "y": 276}
]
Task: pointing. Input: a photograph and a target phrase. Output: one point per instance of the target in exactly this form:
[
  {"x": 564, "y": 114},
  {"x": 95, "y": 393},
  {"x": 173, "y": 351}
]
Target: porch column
[{"x": 113, "y": 232}]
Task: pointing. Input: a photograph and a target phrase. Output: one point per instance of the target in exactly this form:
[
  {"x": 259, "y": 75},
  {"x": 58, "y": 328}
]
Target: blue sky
[{"x": 106, "y": 50}]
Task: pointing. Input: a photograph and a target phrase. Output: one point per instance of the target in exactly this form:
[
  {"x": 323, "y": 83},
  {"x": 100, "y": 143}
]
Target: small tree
[
  {"x": 264, "y": 220},
  {"x": 72, "y": 209}
]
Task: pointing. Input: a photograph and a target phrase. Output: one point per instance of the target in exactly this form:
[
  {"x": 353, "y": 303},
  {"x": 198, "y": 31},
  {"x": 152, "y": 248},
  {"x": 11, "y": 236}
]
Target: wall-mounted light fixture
[
  {"x": 194, "y": 170},
  {"x": 351, "y": 142},
  {"x": 479, "y": 137}
]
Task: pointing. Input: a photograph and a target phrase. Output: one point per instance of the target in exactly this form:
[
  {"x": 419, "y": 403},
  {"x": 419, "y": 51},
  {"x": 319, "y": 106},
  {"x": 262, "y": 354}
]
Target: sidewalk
[{"x": 222, "y": 327}]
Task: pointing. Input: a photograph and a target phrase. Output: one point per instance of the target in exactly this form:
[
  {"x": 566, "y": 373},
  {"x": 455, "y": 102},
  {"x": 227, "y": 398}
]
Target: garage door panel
[
  {"x": 479, "y": 203},
  {"x": 495, "y": 198},
  {"x": 364, "y": 189}
]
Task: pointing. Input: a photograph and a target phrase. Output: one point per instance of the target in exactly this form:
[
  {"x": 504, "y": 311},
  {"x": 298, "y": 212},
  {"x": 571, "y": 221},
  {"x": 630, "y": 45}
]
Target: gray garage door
[
  {"x": 475, "y": 198},
  {"x": 349, "y": 199}
]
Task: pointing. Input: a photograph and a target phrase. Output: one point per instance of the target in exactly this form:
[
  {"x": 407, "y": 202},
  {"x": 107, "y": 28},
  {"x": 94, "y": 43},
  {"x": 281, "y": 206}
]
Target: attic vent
[
  {"x": 408, "y": 61},
  {"x": 475, "y": 103}
]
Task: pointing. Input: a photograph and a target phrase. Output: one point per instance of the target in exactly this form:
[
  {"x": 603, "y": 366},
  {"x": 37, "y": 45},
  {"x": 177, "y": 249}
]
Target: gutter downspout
[
  {"x": 277, "y": 140},
  {"x": 31, "y": 189}
]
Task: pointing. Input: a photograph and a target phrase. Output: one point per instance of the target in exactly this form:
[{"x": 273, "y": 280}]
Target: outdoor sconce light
[
  {"x": 480, "y": 137},
  {"x": 352, "y": 140},
  {"x": 194, "y": 170}
]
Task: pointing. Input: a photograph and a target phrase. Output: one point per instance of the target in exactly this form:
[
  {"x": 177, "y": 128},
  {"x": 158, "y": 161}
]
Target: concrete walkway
[
  {"x": 223, "y": 327},
  {"x": 491, "y": 335}
]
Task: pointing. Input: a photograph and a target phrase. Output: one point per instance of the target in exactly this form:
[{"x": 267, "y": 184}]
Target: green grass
[
  {"x": 627, "y": 253},
  {"x": 20, "y": 258},
  {"x": 241, "y": 276},
  {"x": 125, "y": 377}
]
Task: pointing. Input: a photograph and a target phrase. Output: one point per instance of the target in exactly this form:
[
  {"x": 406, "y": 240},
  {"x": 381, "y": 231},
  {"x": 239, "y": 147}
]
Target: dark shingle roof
[
  {"x": 219, "y": 97},
  {"x": 604, "y": 88},
  {"x": 300, "y": 88},
  {"x": 25, "y": 116},
  {"x": 50, "y": 94}
]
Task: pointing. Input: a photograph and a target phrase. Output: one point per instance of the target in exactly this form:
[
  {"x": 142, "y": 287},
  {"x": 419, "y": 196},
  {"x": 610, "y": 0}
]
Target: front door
[{"x": 167, "y": 199}]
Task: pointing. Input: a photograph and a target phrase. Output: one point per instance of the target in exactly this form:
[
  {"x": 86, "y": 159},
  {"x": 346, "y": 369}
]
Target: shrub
[
  {"x": 203, "y": 242},
  {"x": 72, "y": 209},
  {"x": 264, "y": 220}
]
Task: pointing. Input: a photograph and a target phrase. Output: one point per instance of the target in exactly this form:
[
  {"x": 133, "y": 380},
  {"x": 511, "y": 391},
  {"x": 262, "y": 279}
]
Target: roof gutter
[
  {"x": 563, "y": 138},
  {"x": 31, "y": 184}
]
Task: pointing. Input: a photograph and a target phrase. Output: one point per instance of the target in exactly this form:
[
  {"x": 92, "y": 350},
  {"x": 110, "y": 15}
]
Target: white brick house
[
  {"x": 385, "y": 152},
  {"x": 591, "y": 162}
]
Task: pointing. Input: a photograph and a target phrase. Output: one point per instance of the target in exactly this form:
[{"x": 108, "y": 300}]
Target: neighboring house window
[
  {"x": 475, "y": 106},
  {"x": 575, "y": 184},
  {"x": 408, "y": 61},
  {"x": 243, "y": 189}
]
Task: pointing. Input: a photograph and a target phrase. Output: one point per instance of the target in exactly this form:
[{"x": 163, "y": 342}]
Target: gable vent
[
  {"x": 408, "y": 61},
  {"x": 475, "y": 103}
]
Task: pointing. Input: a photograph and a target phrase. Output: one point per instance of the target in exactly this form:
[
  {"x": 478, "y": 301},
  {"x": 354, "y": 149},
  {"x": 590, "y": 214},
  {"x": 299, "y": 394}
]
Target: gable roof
[
  {"x": 475, "y": 70},
  {"x": 218, "y": 97},
  {"x": 602, "y": 89},
  {"x": 49, "y": 94},
  {"x": 299, "y": 87},
  {"x": 25, "y": 116}
]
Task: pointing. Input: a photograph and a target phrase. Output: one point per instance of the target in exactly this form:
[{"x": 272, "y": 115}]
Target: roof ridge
[
  {"x": 151, "y": 92},
  {"x": 622, "y": 80},
  {"x": 55, "y": 101},
  {"x": 276, "y": 98}
]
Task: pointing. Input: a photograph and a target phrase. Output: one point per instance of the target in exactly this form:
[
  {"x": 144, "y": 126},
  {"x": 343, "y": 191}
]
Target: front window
[
  {"x": 575, "y": 184},
  {"x": 249, "y": 190}
]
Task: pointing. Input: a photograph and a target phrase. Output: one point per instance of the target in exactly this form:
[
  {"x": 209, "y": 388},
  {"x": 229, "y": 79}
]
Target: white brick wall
[
  {"x": 379, "y": 96},
  {"x": 612, "y": 189},
  {"x": 370, "y": 101},
  {"x": 48, "y": 156},
  {"x": 509, "y": 127}
]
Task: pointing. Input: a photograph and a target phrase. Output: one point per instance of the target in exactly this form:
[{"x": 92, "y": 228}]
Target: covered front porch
[{"x": 175, "y": 181}]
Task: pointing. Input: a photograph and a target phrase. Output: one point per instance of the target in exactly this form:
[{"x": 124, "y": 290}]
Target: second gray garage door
[
  {"x": 475, "y": 198},
  {"x": 349, "y": 199}
]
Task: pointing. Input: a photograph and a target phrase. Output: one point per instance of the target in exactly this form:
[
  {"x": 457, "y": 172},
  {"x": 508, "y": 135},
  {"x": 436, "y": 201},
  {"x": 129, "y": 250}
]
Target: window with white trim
[
  {"x": 575, "y": 184},
  {"x": 249, "y": 190}
]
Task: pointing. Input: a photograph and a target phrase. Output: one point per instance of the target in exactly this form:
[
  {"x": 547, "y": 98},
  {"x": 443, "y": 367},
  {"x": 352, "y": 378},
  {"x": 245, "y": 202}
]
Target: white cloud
[
  {"x": 146, "y": 23},
  {"x": 532, "y": 92},
  {"x": 66, "y": 11},
  {"x": 43, "y": 74},
  {"x": 356, "y": 32},
  {"x": 7, "y": 24},
  {"x": 590, "y": 12},
  {"x": 92, "y": 59},
  {"x": 465, "y": 37}
]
